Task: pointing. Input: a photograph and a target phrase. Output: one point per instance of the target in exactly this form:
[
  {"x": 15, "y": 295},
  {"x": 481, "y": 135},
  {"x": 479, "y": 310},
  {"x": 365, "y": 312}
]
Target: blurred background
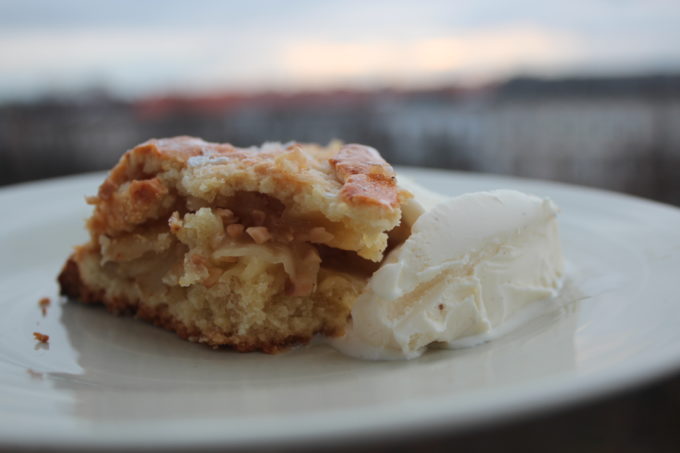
[{"x": 586, "y": 92}]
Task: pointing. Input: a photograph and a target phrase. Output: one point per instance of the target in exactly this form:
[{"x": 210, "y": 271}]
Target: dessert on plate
[
  {"x": 254, "y": 248},
  {"x": 265, "y": 247}
]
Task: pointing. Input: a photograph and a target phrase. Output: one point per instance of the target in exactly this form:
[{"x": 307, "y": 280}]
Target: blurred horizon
[
  {"x": 618, "y": 83},
  {"x": 131, "y": 49}
]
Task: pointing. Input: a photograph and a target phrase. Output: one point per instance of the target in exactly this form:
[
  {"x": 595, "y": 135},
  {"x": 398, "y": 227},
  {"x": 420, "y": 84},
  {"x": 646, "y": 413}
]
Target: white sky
[{"x": 151, "y": 47}]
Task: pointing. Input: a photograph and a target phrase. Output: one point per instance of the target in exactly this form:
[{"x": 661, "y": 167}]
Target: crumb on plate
[
  {"x": 43, "y": 303},
  {"x": 41, "y": 337}
]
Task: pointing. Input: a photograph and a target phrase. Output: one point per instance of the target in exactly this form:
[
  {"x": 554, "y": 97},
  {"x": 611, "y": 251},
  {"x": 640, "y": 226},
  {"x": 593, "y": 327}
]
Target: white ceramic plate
[{"x": 107, "y": 382}]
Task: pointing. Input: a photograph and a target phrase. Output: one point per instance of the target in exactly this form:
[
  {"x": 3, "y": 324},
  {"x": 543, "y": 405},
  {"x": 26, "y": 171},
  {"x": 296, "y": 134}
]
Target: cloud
[
  {"x": 138, "y": 48},
  {"x": 129, "y": 61},
  {"x": 482, "y": 53}
]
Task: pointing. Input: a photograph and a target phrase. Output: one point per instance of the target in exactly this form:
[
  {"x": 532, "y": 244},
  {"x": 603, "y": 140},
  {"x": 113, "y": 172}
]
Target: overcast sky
[{"x": 135, "y": 47}]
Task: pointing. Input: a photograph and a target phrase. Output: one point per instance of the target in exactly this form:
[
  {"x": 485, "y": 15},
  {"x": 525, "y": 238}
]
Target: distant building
[{"x": 617, "y": 133}]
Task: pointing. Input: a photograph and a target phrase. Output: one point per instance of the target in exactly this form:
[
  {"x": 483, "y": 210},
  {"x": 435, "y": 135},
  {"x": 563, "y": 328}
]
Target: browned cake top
[{"x": 349, "y": 187}]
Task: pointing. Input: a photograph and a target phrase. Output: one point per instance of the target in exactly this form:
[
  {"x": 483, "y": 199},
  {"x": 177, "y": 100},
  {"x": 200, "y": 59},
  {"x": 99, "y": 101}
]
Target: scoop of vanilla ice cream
[{"x": 469, "y": 264}]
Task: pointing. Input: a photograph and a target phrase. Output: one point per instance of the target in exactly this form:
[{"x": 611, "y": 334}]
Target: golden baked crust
[
  {"x": 350, "y": 189},
  {"x": 366, "y": 178},
  {"x": 253, "y": 248}
]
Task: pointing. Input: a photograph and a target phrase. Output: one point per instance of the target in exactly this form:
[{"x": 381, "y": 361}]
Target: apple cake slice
[{"x": 255, "y": 248}]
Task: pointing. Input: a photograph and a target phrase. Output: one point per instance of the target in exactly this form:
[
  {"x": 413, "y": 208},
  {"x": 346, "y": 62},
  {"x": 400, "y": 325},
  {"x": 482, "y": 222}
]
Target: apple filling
[{"x": 253, "y": 231}]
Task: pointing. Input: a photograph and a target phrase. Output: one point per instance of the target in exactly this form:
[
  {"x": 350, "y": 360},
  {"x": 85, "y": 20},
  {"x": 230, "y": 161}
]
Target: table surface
[{"x": 645, "y": 419}]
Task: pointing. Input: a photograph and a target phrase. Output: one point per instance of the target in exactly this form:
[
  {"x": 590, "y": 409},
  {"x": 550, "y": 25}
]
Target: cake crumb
[
  {"x": 41, "y": 337},
  {"x": 319, "y": 235},
  {"x": 34, "y": 374},
  {"x": 235, "y": 230},
  {"x": 259, "y": 234},
  {"x": 227, "y": 215},
  {"x": 174, "y": 222},
  {"x": 258, "y": 217},
  {"x": 43, "y": 303}
]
